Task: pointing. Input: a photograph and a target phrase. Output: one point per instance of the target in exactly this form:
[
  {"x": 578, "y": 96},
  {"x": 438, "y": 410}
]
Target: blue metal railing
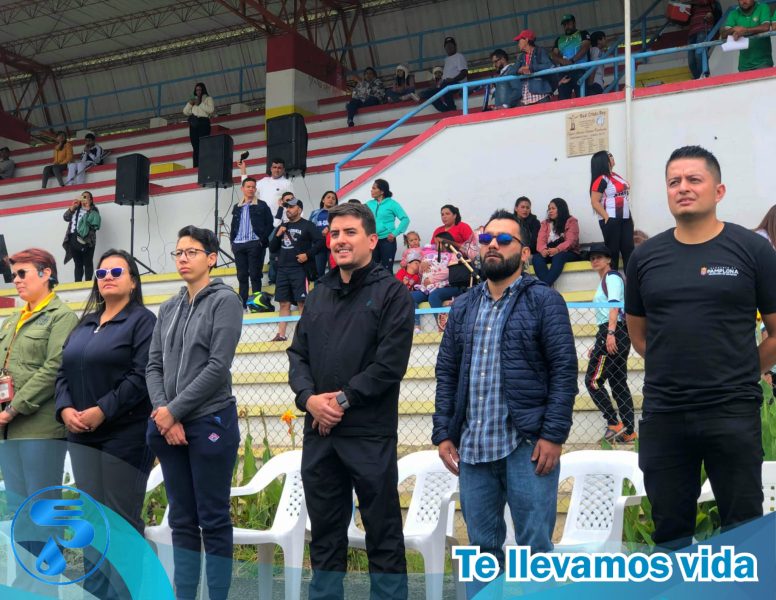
[
  {"x": 157, "y": 108},
  {"x": 466, "y": 86}
]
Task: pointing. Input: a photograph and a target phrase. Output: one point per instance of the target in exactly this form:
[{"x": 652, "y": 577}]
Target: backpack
[
  {"x": 260, "y": 302},
  {"x": 621, "y": 315}
]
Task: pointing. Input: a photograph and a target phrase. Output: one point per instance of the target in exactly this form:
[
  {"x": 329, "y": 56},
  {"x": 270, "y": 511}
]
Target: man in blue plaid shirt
[{"x": 506, "y": 382}]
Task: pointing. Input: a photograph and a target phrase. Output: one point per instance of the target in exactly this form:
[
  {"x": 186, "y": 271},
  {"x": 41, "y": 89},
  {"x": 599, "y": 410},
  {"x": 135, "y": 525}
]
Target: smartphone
[{"x": 244, "y": 155}]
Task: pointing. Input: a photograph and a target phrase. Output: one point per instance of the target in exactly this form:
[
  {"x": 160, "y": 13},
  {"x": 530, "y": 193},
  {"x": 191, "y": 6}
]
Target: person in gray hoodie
[{"x": 193, "y": 428}]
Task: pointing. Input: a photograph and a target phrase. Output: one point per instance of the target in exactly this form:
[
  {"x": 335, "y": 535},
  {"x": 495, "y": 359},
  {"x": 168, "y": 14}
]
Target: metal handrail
[{"x": 465, "y": 86}]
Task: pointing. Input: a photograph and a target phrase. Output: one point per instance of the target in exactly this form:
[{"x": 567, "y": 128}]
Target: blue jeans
[
  {"x": 550, "y": 275},
  {"x": 487, "y": 487},
  {"x": 695, "y": 57},
  {"x": 436, "y": 298},
  {"x": 384, "y": 253}
]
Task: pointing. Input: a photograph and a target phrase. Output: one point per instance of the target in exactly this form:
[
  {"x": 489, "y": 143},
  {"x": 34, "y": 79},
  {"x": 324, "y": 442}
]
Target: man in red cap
[{"x": 532, "y": 59}]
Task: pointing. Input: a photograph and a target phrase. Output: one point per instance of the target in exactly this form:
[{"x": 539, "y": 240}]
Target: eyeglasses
[
  {"x": 22, "y": 273},
  {"x": 191, "y": 253},
  {"x": 115, "y": 272},
  {"x": 502, "y": 239}
]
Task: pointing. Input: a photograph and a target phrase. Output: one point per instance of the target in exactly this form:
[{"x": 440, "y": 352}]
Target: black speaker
[
  {"x": 287, "y": 139},
  {"x": 215, "y": 161},
  {"x": 132, "y": 172},
  {"x": 5, "y": 268}
]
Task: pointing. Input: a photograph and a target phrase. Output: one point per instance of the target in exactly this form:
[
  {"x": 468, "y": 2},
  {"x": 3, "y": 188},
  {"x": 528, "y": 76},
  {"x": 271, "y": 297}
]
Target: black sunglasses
[
  {"x": 115, "y": 272},
  {"x": 502, "y": 239},
  {"x": 22, "y": 273}
]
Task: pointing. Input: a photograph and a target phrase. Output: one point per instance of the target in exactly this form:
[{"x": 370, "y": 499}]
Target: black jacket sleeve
[
  {"x": 235, "y": 223},
  {"x": 394, "y": 342},
  {"x": 300, "y": 376},
  {"x": 317, "y": 242},
  {"x": 447, "y": 373},
  {"x": 274, "y": 243},
  {"x": 267, "y": 223}
]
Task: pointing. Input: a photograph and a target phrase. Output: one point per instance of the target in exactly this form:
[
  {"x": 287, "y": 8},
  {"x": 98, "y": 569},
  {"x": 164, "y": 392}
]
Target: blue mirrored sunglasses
[{"x": 502, "y": 239}]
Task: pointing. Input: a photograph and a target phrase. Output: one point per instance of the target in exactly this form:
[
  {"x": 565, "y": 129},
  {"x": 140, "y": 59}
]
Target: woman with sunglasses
[
  {"x": 83, "y": 220},
  {"x": 31, "y": 350},
  {"x": 558, "y": 242},
  {"x": 102, "y": 400},
  {"x": 609, "y": 196}
]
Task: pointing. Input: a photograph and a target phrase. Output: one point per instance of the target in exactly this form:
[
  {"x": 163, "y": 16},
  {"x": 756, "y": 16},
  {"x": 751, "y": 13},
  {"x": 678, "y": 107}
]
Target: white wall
[{"x": 480, "y": 167}]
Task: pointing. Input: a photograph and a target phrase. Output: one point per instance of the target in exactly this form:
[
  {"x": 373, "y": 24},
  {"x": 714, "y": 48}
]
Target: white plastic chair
[
  {"x": 288, "y": 527},
  {"x": 428, "y": 528},
  {"x": 769, "y": 487}
]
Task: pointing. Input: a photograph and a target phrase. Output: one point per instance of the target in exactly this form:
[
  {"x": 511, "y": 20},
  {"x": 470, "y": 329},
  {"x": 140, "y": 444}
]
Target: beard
[{"x": 501, "y": 269}]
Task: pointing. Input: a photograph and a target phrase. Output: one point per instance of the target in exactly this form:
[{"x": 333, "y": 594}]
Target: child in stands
[
  {"x": 411, "y": 242},
  {"x": 410, "y": 275}
]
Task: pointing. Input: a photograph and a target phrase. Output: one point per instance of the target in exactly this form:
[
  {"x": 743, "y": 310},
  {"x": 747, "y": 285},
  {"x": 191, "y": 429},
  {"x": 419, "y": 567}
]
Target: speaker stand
[
  {"x": 226, "y": 258},
  {"x": 132, "y": 243}
]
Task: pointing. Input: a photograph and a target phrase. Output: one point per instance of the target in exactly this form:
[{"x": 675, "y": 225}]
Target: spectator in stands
[
  {"x": 92, "y": 155},
  {"x": 273, "y": 190},
  {"x": 507, "y": 94},
  {"x": 387, "y": 212},
  {"x": 345, "y": 368},
  {"x": 198, "y": 109},
  {"x": 528, "y": 221},
  {"x": 63, "y": 155},
  {"x": 452, "y": 224},
  {"x": 193, "y": 428},
  {"x": 33, "y": 451},
  {"x": 750, "y": 18},
  {"x": 558, "y": 242},
  {"x": 506, "y": 377},
  {"x": 297, "y": 242},
  {"x": 252, "y": 225},
  {"x": 7, "y": 166},
  {"x": 320, "y": 218},
  {"x": 608, "y": 358},
  {"x": 411, "y": 242},
  {"x": 598, "y": 47},
  {"x": 102, "y": 400},
  {"x": 84, "y": 220},
  {"x": 639, "y": 237},
  {"x": 691, "y": 296},
  {"x": 403, "y": 87},
  {"x": 368, "y": 92},
  {"x": 767, "y": 227},
  {"x": 454, "y": 71},
  {"x": 410, "y": 275},
  {"x": 609, "y": 196},
  {"x": 532, "y": 59},
  {"x": 701, "y": 22},
  {"x": 571, "y": 48}
]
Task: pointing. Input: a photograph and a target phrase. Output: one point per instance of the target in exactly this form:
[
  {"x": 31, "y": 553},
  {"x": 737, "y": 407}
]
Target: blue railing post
[{"x": 466, "y": 100}]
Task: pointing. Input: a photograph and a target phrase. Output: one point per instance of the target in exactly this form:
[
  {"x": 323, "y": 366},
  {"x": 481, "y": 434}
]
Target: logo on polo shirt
[{"x": 719, "y": 271}]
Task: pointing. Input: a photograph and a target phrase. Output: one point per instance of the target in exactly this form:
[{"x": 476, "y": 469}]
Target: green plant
[{"x": 768, "y": 413}]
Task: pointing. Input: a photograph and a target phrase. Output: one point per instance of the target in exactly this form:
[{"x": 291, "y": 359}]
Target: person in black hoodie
[
  {"x": 346, "y": 362},
  {"x": 528, "y": 221},
  {"x": 296, "y": 241},
  {"x": 102, "y": 399}
]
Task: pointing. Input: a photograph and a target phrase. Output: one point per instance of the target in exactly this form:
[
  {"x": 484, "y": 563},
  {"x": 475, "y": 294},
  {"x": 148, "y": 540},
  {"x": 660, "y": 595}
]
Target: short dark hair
[
  {"x": 279, "y": 161},
  {"x": 284, "y": 194},
  {"x": 523, "y": 199},
  {"x": 370, "y": 69},
  {"x": 499, "y": 53},
  {"x": 360, "y": 211},
  {"x": 712, "y": 164},
  {"x": 205, "y": 237},
  {"x": 505, "y": 215},
  {"x": 246, "y": 180},
  {"x": 596, "y": 37},
  {"x": 6, "y": 148},
  {"x": 354, "y": 201},
  {"x": 89, "y": 136}
]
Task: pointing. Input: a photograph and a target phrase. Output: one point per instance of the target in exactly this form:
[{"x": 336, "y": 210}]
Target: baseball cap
[
  {"x": 599, "y": 248},
  {"x": 413, "y": 255},
  {"x": 567, "y": 17},
  {"x": 449, "y": 39},
  {"x": 293, "y": 202},
  {"x": 526, "y": 34}
]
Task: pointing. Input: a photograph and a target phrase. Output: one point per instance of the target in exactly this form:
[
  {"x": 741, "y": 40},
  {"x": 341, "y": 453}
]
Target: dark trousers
[
  {"x": 331, "y": 467},
  {"x": 201, "y": 129},
  {"x": 29, "y": 466},
  {"x": 618, "y": 237},
  {"x": 353, "y": 106},
  {"x": 550, "y": 275},
  {"x": 322, "y": 261},
  {"x": 384, "y": 253},
  {"x": 605, "y": 367},
  {"x": 198, "y": 479},
  {"x": 249, "y": 261},
  {"x": 54, "y": 171},
  {"x": 272, "y": 274},
  {"x": 443, "y": 103},
  {"x": 114, "y": 473},
  {"x": 727, "y": 441},
  {"x": 83, "y": 259},
  {"x": 568, "y": 89}
]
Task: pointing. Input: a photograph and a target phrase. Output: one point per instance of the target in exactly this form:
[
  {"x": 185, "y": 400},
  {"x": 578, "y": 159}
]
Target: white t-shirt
[
  {"x": 270, "y": 190},
  {"x": 598, "y": 74},
  {"x": 453, "y": 65}
]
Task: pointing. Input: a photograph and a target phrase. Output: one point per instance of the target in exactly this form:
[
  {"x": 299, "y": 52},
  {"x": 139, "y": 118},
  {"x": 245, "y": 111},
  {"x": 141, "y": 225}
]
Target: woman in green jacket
[
  {"x": 387, "y": 212},
  {"x": 83, "y": 221},
  {"x": 32, "y": 454}
]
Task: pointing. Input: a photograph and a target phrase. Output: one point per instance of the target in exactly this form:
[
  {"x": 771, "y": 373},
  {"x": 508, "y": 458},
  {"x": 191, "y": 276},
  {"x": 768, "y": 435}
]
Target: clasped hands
[
  {"x": 326, "y": 411},
  {"x": 82, "y": 421},
  {"x": 171, "y": 429}
]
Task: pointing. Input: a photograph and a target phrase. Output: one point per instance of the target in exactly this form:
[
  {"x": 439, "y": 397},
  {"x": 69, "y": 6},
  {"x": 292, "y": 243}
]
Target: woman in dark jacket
[
  {"x": 528, "y": 221},
  {"x": 83, "y": 220},
  {"x": 103, "y": 401}
]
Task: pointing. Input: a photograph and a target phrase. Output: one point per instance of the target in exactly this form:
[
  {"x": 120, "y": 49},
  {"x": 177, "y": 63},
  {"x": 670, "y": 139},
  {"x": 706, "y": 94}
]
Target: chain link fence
[{"x": 260, "y": 382}]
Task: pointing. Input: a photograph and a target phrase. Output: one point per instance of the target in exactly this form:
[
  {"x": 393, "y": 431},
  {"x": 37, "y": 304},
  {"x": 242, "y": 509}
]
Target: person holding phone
[{"x": 198, "y": 109}]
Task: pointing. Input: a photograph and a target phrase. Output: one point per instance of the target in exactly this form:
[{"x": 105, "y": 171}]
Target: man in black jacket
[
  {"x": 249, "y": 235},
  {"x": 347, "y": 360},
  {"x": 296, "y": 241}
]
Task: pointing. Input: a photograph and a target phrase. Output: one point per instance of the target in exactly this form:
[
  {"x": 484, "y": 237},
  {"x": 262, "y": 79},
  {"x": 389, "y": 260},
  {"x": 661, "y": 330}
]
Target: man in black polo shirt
[{"x": 691, "y": 298}]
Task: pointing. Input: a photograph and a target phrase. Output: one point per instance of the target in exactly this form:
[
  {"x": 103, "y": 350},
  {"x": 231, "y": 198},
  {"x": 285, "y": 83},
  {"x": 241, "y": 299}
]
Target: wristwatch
[
  {"x": 610, "y": 332},
  {"x": 342, "y": 400},
  {"x": 11, "y": 411}
]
